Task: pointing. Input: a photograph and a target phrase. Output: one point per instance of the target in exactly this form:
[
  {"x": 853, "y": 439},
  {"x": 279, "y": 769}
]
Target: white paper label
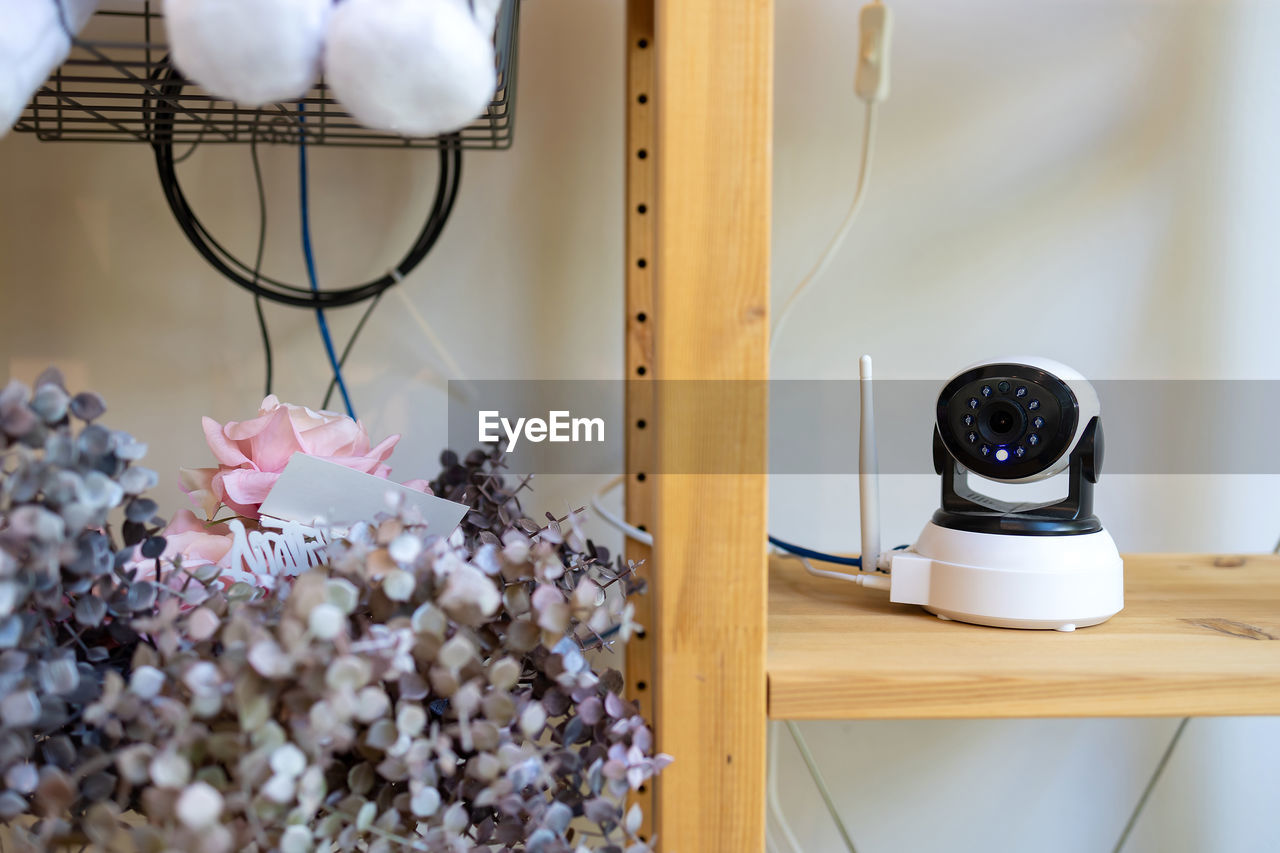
[{"x": 311, "y": 489}]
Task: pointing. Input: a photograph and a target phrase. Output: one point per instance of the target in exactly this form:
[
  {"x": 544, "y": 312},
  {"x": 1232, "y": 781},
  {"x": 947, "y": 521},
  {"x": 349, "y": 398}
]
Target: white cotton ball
[
  {"x": 252, "y": 52},
  {"x": 413, "y": 67},
  {"x": 33, "y": 42}
]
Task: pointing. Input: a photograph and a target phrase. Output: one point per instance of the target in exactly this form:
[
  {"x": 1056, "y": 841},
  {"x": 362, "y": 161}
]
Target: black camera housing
[
  {"x": 1016, "y": 423},
  {"x": 1025, "y": 411}
]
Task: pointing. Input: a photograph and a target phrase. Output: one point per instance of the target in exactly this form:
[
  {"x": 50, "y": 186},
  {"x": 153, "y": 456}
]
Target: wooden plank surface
[
  {"x": 1199, "y": 636},
  {"x": 638, "y": 327},
  {"x": 713, "y": 107}
]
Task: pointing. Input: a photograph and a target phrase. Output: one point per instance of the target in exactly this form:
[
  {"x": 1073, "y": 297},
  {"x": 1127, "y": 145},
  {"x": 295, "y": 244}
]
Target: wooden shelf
[{"x": 1199, "y": 636}]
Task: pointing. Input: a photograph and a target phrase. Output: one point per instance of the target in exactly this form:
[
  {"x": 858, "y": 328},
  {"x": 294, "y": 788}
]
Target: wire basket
[{"x": 118, "y": 85}]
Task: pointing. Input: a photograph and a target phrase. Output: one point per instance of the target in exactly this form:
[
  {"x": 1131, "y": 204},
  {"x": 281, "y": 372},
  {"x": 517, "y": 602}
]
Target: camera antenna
[{"x": 868, "y": 470}]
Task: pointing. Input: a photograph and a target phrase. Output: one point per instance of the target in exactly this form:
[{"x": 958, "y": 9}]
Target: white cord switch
[{"x": 875, "y": 26}]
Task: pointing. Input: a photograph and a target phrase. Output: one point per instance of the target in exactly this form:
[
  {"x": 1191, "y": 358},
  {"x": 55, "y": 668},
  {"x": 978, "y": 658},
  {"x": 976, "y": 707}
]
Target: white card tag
[
  {"x": 311, "y": 489},
  {"x": 279, "y": 549}
]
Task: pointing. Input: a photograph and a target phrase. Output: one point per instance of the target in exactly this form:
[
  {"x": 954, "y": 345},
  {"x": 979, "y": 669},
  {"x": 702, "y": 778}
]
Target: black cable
[
  {"x": 266, "y": 342},
  {"x": 262, "y": 243},
  {"x": 162, "y": 111},
  {"x": 346, "y": 351},
  {"x": 208, "y": 117}
]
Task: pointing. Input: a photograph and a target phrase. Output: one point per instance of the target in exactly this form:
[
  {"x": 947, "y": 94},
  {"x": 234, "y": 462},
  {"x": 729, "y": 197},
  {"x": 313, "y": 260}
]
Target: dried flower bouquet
[{"x": 414, "y": 692}]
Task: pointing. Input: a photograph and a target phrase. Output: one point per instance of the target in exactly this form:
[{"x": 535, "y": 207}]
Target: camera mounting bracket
[{"x": 964, "y": 508}]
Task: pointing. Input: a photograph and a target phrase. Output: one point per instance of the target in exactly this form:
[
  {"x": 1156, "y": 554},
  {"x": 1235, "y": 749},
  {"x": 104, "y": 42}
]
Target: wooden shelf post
[{"x": 699, "y": 160}]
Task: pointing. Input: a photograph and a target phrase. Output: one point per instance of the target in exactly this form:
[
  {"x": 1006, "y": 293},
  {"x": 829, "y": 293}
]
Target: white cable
[
  {"x": 771, "y": 782},
  {"x": 823, "y": 791},
  {"x": 824, "y": 260},
  {"x": 868, "y": 579},
  {"x": 873, "y": 580},
  {"x": 1151, "y": 784},
  {"x": 597, "y": 503},
  {"x": 468, "y": 391}
]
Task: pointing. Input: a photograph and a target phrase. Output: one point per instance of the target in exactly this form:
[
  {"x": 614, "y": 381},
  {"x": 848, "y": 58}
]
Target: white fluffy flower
[
  {"x": 249, "y": 51},
  {"x": 413, "y": 67}
]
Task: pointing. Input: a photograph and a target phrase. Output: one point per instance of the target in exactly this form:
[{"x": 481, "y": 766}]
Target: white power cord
[
  {"x": 874, "y": 580},
  {"x": 1151, "y": 785},
  {"x": 771, "y": 782},
  {"x": 775, "y": 803},
  {"x": 824, "y": 260},
  {"x": 871, "y": 85}
]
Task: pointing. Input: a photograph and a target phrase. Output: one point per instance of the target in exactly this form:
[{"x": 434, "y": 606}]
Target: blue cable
[
  {"x": 801, "y": 551},
  {"x": 311, "y": 261},
  {"x": 809, "y": 553}
]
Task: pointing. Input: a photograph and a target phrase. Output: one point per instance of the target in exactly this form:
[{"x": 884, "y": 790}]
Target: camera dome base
[{"x": 1037, "y": 582}]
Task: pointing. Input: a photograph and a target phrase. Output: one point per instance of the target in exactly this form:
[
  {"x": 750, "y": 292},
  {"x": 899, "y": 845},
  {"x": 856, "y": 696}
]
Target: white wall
[
  {"x": 1091, "y": 181},
  {"x": 1094, "y": 182}
]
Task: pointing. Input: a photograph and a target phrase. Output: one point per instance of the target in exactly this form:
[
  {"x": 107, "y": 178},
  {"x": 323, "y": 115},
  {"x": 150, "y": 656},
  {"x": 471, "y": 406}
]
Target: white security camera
[
  {"x": 1012, "y": 564},
  {"x": 1018, "y": 420}
]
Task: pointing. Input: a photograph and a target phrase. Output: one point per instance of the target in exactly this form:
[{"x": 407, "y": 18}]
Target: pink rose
[
  {"x": 195, "y": 543},
  {"x": 251, "y": 454}
]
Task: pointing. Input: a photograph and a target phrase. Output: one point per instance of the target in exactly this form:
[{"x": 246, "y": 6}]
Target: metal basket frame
[{"x": 126, "y": 90}]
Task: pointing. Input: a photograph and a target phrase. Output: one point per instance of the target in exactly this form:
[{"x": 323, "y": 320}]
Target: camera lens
[
  {"x": 1007, "y": 421},
  {"x": 1001, "y": 422}
]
